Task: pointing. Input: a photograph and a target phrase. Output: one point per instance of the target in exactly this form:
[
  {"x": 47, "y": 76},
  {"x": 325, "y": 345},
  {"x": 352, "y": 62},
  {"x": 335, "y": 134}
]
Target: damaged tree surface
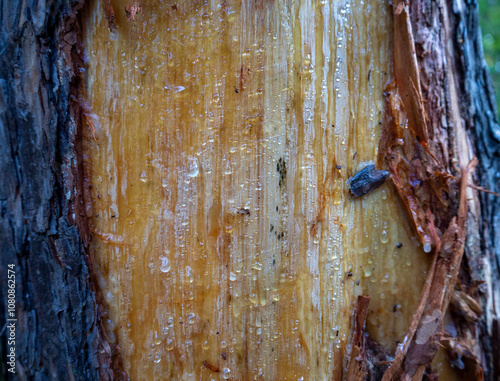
[{"x": 439, "y": 117}]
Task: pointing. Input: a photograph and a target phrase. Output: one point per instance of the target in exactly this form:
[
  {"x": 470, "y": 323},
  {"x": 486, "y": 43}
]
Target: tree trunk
[{"x": 175, "y": 200}]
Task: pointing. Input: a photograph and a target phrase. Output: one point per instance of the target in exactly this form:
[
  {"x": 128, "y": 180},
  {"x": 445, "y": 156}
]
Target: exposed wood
[{"x": 221, "y": 212}]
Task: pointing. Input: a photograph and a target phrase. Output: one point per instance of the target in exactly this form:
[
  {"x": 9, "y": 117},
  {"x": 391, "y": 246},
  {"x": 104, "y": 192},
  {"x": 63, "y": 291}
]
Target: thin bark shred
[
  {"x": 357, "y": 369},
  {"x": 133, "y": 9},
  {"x": 212, "y": 367},
  {"x": 110, "y": 14}
]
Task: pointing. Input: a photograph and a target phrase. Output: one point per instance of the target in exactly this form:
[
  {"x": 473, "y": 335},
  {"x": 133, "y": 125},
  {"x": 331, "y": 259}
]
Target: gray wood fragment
[{"x": 366, "y": 180}]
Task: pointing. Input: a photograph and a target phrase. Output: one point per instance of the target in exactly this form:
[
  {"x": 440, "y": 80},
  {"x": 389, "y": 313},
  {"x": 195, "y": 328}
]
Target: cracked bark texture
[
  {"x": 57, "y": 333},
  {"x": 458, "y": 83},
  {"x": 43, "y": 234}
]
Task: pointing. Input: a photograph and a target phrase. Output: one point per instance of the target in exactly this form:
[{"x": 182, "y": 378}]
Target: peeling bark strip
[
  {"x": 406, "y": 72},
  {"x": 58, "y": 334},
  {"x": 110, "y": 14},
  {"x": 357, "y": 369}
]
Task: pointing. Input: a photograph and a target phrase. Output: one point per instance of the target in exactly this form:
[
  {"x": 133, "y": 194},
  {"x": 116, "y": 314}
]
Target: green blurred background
[{"x": 489, "y": 18}]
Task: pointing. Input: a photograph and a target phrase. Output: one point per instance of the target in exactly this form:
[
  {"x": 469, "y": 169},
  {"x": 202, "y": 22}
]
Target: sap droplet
[
  {"x": 170, "y": 345},
  {"x": 232, "y": 276},
  {"x": 193, "y": 168},
  {"x": 165, "y": 265},
  {"x": 253, "y": 298},
  {"x": 257, "y": 266},
  {"x": 189, "y": 274},
  {"x": 226, "y": 373},
  {"x": 427, "y": 247},
  {"x": 191, "y": 318},
  {"x": 174, "y": 89},
  {"x": 384, "y": 238},
  {"x": 316, "y": 238},
  {"x": 144, "y": 176}
]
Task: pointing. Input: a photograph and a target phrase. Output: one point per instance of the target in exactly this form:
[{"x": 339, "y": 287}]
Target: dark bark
[
  {"x": 479, "y": 114},
  {"x": 43, "y": 232},
  {"x": 57, "y": 333}
]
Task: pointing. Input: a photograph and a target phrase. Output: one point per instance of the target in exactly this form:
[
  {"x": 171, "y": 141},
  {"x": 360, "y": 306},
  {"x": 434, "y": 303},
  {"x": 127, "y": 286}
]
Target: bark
[
  {"x": 480, "y": 117},
  {"x": 458, "y": 89},
  {"x": 58, "y": 335},
  {"x": 43, "y": 227}
]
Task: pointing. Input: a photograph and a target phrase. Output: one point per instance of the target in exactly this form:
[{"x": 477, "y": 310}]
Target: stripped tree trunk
[{"x": 67, "y": 119}]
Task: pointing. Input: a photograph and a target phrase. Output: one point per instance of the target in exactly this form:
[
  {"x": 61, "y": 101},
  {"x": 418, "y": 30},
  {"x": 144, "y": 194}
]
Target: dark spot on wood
[
  {"x": 394, "y": 308},
  {"x": 244, "y": 211},
  {"x": 366, "y": 180},
  {"x": 213, "y": 368},
  {"x": 223, "y": 355},
  {"x": 174, "y": 7},
  {"x": 113, "y": 216},
  {"x": 369, "y": 74},
  {"x": 349, "y": 273},
  {"x": 277, "y": 209},
  {"x": 337, "y": 333},
  {"x": 281, "y": 168},
  {"x": 216, "y": 333},
  {"x": 242, "y": 79},
  {"x": 399, "y": 245},
  {"x": 338, "y": 166},
  {"x": 354, "y": 156},
  {"x": 236, "y": 90},
  {"x": 272, "y": 228},
  {"x": 274, "y": 262}
]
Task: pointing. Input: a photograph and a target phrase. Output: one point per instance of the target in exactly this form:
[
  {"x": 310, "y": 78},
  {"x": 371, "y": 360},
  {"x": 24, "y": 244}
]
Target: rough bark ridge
[
  {"x": 58, "y": 335},
  {"x": 479, "y": 115}
]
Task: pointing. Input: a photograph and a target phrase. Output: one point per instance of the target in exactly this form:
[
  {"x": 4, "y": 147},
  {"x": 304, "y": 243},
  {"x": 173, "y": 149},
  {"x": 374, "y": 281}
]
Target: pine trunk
[{"x": 178, "y": 199}]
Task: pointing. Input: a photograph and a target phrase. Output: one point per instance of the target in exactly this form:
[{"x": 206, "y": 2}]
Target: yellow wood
[{"x": 225, "y": 236}]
